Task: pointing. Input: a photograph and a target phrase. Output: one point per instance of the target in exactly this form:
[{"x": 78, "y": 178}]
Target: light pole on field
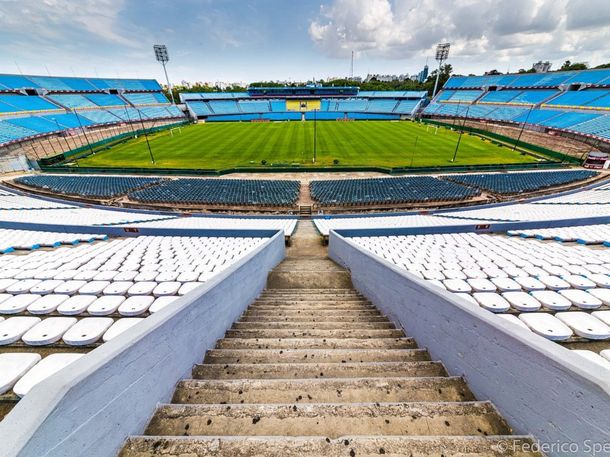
[
  {"x": 163, "y": 57},
  {"x": 442, "y": 52}
]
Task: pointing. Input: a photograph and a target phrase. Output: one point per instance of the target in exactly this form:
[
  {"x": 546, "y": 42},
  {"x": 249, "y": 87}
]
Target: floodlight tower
[
  {"x": 442, "y": 52},
  {"x": 163, "y": 57}
]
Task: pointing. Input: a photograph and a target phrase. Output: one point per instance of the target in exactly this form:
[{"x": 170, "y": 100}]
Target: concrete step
[
  {"x": 316, "y": 333},
  {"x": 292, "y": 305},
  {"x": 318, "y": 370},
  {"x": 313, "y": 318},
  {"x": 416, "y": 446},
  {"x": 332, "y": 420},
  {"x": 224, "y": 356},
  {"x": 317, "y": 313},
  {"x": 239, "y": 325},
  {"x": 316, "y": 343},
  {"x": 303, "y": 290},
  {"x": 309, "y": 279},
  {"x": 354, "y": 390}
]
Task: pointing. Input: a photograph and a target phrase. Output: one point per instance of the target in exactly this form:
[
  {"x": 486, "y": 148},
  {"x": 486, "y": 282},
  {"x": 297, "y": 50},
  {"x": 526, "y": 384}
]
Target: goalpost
[{"x": 171, "y": 131}]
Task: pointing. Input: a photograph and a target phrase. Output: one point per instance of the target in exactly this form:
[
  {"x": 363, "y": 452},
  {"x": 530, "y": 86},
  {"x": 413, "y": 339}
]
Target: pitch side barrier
[
  {"x": 540, "y": 387},
  {"x": 64, "y": 169},
  {"x": 92, "y": 406}
]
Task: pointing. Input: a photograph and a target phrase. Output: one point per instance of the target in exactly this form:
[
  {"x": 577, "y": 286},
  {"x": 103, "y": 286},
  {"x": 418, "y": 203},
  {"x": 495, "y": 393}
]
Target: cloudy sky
[{"x": 247, "y": 40}]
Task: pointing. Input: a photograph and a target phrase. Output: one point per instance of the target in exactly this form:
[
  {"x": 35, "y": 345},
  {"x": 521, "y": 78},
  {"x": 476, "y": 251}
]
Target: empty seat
[
  {"x": 167, "y": 276},
  {"x": 481, "y": 285},
  {"x": 581, "y": 299},
  {"x": 457, "y": 285},
  {"x": 552, "y": 300},
  {"x": 188, "y": 287},
  {"x": 142, "y": 288},
  {"x": 161, "y": 303},
  {"x": 135, "y": 305},
  {"x": 106, "y": 275},
  {"x": 492, "y": 301},
  {"x": 120, "y": 326},
  {"x": 167, "y": 288},
  {"x": 4, "y": 283},
  {"x": 46, "y": 287},
  {"x": 93, "y": 288},
  {"x": 76, "y": 304},
  {"x": 187, "y": 276},
  {"x": 514, "y": 319},
  {"x": 601, "y": 294},
  {"x": 13, "y": 328},
  {"x": 87, "y": 331},
  {"x": 578, "y": 282},
  {"x": 17, "y": 303},
  {"x": 46, "y": 304},
  {"x": 117, "y": 288},
  {"x": 529, "y": 283},
  {"x": 128, "y": 275},
  {"x": 105, "y": 305},
  {"x": 146, "y": 276},
  {"x": 42, "y": 370},
  {"x": 603, "y": 316},
  {"x": 22, "y": 286},
  {"x": 599, "y": 279},
  {"x": 546, "y": 325},
  {"x": 506, "y": 284},
  {"x": 85, "y": 275},
  {"x": 433, "y": 274},
  {"x": 585, "y": 325},
  {"x": 522, "y": 301},
  {"x": 70, "y": 287},
  {"x": 13, "y": 366},
  {"x": 48, "y": 331},
  {"x": 553, "y": 282}
]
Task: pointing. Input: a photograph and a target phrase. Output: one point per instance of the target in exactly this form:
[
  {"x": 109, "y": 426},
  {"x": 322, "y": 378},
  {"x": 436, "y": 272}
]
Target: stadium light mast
[
  {"x": 442, "y": 52},
  {"x": 163, "y": 57}
]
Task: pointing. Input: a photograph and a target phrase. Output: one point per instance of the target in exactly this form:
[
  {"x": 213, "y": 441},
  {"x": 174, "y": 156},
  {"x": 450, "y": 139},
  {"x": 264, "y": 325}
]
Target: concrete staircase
[{"x": 313, "y": 368}]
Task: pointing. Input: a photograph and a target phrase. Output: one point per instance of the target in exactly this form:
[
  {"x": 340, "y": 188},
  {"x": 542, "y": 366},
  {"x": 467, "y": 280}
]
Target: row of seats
[
  {"x": 229, "y": 106},
  {"x": 387, "y": 191},
  {"x": 221, "y": 192},
  {"x": 585, "y": 234},
  {"x": 551, "y": 79},
  {"x": 73, "y": 84},
  {"x": 516, "y": 183},
  {"x": 558, "y": 291},
  {"x": 11, "y": 240},
  {"x": 87, "y": 295},
  {"x": 87, "y": 186}
]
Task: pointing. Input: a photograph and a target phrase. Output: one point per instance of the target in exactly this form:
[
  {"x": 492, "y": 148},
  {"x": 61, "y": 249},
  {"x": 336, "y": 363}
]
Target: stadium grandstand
[
  {"x": 573, "y": 104},
  {"x": 42, "y": 116},
  {"x": 303, "y": 311},
  {"x": 323, "y": 103}
]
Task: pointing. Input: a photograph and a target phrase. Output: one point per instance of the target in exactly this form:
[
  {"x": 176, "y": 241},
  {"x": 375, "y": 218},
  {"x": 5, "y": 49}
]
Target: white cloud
[{"x": 481, "y": 31}]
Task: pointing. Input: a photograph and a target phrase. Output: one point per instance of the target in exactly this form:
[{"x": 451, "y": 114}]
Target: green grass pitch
[{"x": 363, "y": 143}]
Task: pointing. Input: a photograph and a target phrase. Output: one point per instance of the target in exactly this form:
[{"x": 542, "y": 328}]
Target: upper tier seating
[
  {"x": 387, "y": 190},
  {"x": 15, "y": 103},
  {"x": 224, "y": 106},
  {"x": 106, "y": 99},
  {"x": 73, "y": 100},
  {"x": 254, "y": 106},
  {"x": 382, "y": 105},
  {"x": 581, "y": 98},
  {"x": 87, "y": 186},
  {"x": 516, "y": 183},
  {"x": 222, "y": 192},
  {"x": 146, "y": 99},
  {"x": 70, "y": 84},
  {"x": 552, "y": 79}
]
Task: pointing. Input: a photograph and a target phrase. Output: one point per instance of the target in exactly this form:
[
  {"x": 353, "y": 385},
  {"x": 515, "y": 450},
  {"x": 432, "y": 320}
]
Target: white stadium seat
[
  {"x": 48, "y": 331},
  {"x": 13, "y": 366},
  {"x": 13, "y": 328},
  {"x": 546, "y": 325},
  {"x": 42, "y": 370},
  {"x": 120, "y": 326},
  {"x": 585, "y": 325},
  {"x": 87, "y": 331}
]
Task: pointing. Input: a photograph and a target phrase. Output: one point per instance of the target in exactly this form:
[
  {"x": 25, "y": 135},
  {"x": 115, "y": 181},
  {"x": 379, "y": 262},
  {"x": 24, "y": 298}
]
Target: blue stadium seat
[
  {"x": 357, "y": 192},
  {"x": 105, "y": 99},
  {"x": 221, "y": 192},
  {"x": 516, "y": 183}
]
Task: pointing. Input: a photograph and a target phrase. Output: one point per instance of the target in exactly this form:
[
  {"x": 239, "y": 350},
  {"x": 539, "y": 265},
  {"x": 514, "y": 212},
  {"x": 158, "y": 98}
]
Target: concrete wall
[
  {"x": 540, "y": 387},
  {"x": 89, "y": 408}
]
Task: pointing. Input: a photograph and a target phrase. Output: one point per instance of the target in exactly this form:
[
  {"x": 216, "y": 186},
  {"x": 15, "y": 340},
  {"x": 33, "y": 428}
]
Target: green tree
[{"x": 569, "y": 66}]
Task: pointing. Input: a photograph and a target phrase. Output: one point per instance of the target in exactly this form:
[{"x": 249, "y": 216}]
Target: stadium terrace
[{"x": 305, "y": 270}]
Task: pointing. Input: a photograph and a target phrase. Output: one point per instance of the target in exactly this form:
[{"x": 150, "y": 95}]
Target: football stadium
[{"x": 353, "y": 266}]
